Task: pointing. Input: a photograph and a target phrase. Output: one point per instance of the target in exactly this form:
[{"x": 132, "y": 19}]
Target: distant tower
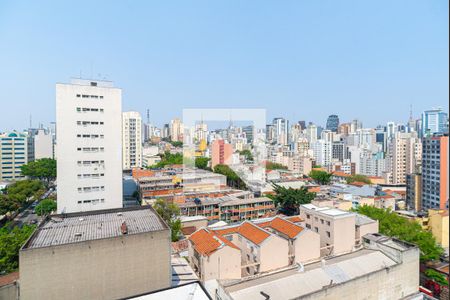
[
  {"x": 148, "y": 116},
  {"x": 333, "y": 123}
]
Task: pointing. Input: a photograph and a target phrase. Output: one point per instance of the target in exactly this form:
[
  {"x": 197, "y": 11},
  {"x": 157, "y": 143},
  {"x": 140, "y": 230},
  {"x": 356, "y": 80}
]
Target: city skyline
[{"x": 232, "y": 56}]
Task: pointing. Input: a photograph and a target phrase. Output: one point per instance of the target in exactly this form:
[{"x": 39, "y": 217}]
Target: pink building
[{"x": 221, "y": 153}]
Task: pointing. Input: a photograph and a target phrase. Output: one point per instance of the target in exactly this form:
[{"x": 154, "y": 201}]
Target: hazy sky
[{"x": 299, "y": 59}]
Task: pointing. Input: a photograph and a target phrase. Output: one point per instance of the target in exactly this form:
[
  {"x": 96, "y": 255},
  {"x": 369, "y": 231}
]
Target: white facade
[
  {"x": 43, "y": 144},
  {"x": 88, "y": 118},
  {"x": 322, "y": 152},
  {"x": 131, "y": 140}
]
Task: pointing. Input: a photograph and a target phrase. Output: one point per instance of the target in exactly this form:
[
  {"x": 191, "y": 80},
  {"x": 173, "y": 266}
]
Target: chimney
[{"x": 124, "y": 228}]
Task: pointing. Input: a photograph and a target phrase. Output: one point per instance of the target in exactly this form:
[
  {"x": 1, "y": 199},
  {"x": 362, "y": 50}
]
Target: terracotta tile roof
[
  {"x": 248, "y": 230},
  {"x": 253, "y": 233},
  {"x": 180, "y": 246},
  {"x": 188, "y": 230},
  {"x": 207, "y": 242},
  {"x": 8, "y": 279},
  {"x": 283, "y": 226},
  {"x": 294, "y": 219}
]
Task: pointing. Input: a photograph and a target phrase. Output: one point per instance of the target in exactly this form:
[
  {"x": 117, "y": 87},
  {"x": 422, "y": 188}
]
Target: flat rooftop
[
  {"x": 293, "y": 283},
  {"x": 87, "y": 226}
]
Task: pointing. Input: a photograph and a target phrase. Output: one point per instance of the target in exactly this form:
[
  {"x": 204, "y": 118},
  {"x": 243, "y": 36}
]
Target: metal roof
[
  {"x": 94, "y": 225},
  {"x": 314, "y": 278}
]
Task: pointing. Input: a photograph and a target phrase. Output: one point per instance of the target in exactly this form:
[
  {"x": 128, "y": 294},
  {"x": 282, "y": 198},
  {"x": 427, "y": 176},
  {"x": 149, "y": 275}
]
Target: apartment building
[
  {"x": 221, "y": 153},
  {"x": 104, "y": 254},
  {"x": 13, "y": 155},
  {"x": 176, "y": 129},
  {"x": 340, "y": 231},
  {"x": 43, "y": 144},
  {"x": 435, "y": 171},
  {"x": 229, "y": 208},
  {"x": 261, "y": 247},
  {"x": 404, "y": 154},
  {"x": 131, "y": 140},
  {"x": 172, "y": 184},
  {"x": 88, "y": 118}
]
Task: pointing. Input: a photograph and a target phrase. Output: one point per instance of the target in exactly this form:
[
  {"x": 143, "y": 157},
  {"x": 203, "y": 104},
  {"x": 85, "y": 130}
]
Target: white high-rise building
[
  {"x": 88, "y": 118},
  {"x": 43, "y": 144},
  {"x": 131, "y": 140}
]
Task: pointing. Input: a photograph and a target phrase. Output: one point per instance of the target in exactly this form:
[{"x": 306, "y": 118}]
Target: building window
[
  {"x": 316, "y": 229},
  {"x": 328, "y": 234}
]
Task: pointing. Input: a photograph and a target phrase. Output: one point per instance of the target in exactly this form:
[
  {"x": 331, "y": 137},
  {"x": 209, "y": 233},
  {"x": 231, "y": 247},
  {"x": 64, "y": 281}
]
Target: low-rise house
[{"x": 264, "y": 245}]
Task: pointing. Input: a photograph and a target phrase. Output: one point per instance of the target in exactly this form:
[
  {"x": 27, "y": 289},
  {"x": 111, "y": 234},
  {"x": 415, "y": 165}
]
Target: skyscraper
[
  {"x": 176, "y": 130},
  {"x": 434, "y": 121},
  {"x": 332, "y": 123},
  {"x": 435, "y": 170},
  {"x": 89, "y": 151},
  {"x": 131, "y": 140},
  {"x": 281, "y": 126}
]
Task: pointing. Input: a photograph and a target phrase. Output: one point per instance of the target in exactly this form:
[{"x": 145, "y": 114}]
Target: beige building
[
  {"x": 105, "y": 254},
  {"x": 438, "y": 224},
  {"x": 176, "y": 130},
  {"x": 131, "y": 140},
  {"x": 263, "y": 246},
  {"x": 340, "y": 231},
  {"x": 404, "y": 154},
  {"x": 384, "y": 268}
]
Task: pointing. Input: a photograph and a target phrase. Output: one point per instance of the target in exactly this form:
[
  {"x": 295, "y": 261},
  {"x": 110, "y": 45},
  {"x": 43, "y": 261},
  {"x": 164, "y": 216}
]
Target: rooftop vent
[
  {"x": 80, "y": 219},
  {"x": 119, "y": 214},
  {"x": 78, "y": 234},
  {"x": 124, "y": 228}
]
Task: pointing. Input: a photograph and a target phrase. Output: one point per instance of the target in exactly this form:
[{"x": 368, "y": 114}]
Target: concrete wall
[
  {"x": 225, "y": 263},
  {"x": 307, "y": 246},
  {"x": 343, "y": 233},
  {"x": 99, "y": 269},
  {"x": 365, "y": 229},
  {"x": 390, "y": 284},
  {"x": 9, "y": 292},
  {"x": 273, "y": 253}
]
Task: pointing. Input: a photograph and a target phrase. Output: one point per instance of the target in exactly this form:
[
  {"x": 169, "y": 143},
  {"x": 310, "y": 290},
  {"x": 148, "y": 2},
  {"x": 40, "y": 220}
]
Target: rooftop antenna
[{"x": 31, "y": 121}]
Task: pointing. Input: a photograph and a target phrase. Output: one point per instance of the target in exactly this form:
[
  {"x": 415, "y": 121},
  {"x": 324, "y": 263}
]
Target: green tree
[
  {"x": 45, "y": 207},
  {"x": 177, "y": 144},
  {"x": 43, "y": 169},
  {"x": 10, "y": 242},
  {"x": 202, "y": 163},
  {"x": 358, "y": 178},
  {"x": 321, "y": 177},
  {"x": 233, "y": 179},
  {"x": 8, "y": 205},
  {"x": 288, "y": 200},
  {"x": 275, "y": 166},
  {"x": 170, "y": 213},
  {"x": 168, "y": 159},
  {"x": 391, "y": 224},
  {"x": 22, "y": 190},
  {"x": 436, "y": 276},
  {"x": 247, "y": 154}
]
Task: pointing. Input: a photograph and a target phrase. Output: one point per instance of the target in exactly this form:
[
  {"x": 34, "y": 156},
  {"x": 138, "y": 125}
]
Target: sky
[{"x": 302, "y": 60}]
